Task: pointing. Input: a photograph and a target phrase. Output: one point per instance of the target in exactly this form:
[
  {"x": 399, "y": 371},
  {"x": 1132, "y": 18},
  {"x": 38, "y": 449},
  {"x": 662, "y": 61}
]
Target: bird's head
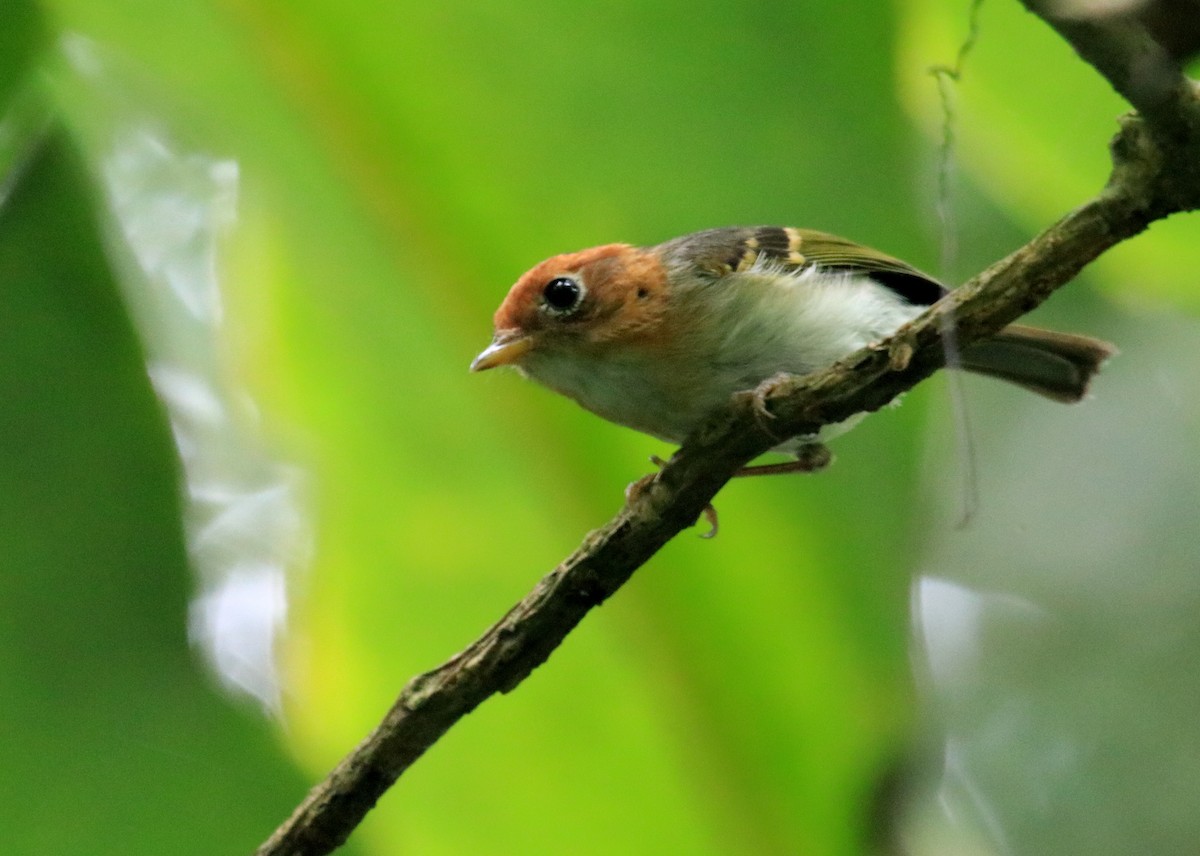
[{"x": 606, "y": 295}]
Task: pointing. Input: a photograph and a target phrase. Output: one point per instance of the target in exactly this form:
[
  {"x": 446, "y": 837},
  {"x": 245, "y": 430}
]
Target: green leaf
[{"x": 112, "y": 738}]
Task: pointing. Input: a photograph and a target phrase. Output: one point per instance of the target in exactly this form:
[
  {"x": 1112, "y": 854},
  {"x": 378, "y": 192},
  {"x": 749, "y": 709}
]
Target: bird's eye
[{"x": 562, "y": 294}]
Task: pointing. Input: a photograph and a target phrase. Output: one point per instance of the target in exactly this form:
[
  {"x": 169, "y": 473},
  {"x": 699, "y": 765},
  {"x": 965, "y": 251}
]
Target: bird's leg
[
  {"x": 810, "y": 458},
  {"x": 635, "y": 489}
]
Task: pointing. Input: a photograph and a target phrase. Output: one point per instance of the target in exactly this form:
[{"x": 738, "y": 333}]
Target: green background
[{"x": 297, "y": 218}]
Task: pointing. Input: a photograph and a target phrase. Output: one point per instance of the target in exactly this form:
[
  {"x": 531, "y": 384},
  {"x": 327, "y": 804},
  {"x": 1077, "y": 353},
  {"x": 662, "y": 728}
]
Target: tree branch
[{"x": 1154, "y": 175}]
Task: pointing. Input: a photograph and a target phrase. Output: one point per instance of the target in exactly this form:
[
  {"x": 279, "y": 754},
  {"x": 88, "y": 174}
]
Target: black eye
[{"x": 562, "y": 294}]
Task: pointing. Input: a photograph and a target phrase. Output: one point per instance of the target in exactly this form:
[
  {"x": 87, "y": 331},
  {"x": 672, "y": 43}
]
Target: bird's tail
[{"x": 1057, "y": 365}]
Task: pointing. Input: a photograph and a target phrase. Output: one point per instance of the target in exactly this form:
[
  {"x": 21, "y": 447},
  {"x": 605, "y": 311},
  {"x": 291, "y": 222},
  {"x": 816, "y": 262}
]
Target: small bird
[{"x": 655, "y": 338}]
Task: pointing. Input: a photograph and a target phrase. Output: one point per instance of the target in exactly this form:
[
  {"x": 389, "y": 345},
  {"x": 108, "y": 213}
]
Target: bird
[{"x": 656, "y": 338}]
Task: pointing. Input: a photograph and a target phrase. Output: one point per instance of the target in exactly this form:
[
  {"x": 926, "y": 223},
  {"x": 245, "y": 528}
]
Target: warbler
[{"x": 655, "y": 338}]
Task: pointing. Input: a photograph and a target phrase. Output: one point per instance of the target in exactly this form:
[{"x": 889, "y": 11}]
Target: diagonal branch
[{"x": 1154, "y": 175}]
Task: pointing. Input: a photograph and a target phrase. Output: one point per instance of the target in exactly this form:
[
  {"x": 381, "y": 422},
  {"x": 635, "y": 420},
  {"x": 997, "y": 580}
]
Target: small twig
[
  {"x": 1151, "y": 179},
  {"x": 947, "y": 77}
]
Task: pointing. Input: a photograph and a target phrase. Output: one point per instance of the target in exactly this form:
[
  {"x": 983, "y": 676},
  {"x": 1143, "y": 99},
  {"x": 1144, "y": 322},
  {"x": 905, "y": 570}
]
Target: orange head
[{"x": 611, "y": 293}]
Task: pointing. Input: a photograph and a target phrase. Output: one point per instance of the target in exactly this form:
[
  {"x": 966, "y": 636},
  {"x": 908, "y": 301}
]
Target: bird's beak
[{"x": 506, "y": 349}]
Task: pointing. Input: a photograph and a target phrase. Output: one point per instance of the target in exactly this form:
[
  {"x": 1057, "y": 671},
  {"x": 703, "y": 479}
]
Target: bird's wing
[{"x": 719, "y": 252}]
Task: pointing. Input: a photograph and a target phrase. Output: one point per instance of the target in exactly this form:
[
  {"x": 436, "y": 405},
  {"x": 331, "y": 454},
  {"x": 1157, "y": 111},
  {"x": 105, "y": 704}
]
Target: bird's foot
[{"x": 772, "y": 387}]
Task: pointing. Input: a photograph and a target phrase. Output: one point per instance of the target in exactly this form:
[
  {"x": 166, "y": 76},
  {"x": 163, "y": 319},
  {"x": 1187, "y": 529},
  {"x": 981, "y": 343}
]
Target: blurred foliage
[
  {"x": 394, "y": 167},
  {"x": 111, "y": 739}
]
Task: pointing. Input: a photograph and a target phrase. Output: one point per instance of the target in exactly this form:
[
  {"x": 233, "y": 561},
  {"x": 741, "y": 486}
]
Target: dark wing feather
[
  {"x": 833, "y": 253},
  {"x": 719, "y": 252}
]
